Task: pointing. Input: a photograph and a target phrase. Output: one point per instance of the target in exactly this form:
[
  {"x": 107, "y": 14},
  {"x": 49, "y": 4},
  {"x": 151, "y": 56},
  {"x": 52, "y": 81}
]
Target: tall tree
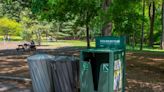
[
  {"x": 152, "y": 20},
  {"x": 107, "y": 26},
  {"x": 162, "y": 39},
  {"x": 83, "y": 11},
  {"x": 142, "y": 32}
]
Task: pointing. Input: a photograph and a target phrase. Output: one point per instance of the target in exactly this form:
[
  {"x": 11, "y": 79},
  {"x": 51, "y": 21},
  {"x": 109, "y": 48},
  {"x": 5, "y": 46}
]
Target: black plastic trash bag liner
[
  {"x": 41, "y": 72},
  {"x": 54, "y": 73},
  {"x": 65, "y": 72}
]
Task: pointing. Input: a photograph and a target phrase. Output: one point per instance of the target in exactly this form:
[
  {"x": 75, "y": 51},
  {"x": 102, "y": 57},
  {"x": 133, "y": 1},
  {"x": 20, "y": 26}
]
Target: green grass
[
  {"x": 74, "y": 43},
  {"x": 145, "y": 48},
  {"x": 12, "y": 38},
  {"x": 82, "y": 43},
  {"x": 78, "y": 43}
]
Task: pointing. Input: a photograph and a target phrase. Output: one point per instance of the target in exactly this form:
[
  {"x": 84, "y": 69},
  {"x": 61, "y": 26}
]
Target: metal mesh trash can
[
  {"x": 41, "y": 72},
  {"x": 65, "y": 71}
]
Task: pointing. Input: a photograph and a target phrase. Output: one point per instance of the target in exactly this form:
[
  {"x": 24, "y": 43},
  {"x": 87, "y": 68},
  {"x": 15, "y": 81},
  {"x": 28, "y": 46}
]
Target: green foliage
[
  {"x": 83, "y": 11},
  {"x": 11, "y": 9},
  {"x": 126, "y": 16},
  {"x": 26, "y": 35},
  {"x": 9, "y": 26},
  {"x": 70, "y": 17}
]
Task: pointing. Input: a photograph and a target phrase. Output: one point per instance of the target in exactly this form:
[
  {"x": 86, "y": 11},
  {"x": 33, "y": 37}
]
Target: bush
[{"x": 26, "y": 35}]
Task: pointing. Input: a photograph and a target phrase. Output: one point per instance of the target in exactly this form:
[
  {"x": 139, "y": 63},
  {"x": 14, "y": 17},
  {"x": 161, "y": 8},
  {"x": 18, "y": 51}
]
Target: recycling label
[
  {"x": 105, "y": 67},
  {"x": 85, "y": 66}
]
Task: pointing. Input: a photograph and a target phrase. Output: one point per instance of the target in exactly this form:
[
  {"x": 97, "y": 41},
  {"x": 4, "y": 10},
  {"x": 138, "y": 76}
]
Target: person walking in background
[{"x": 8, "y": 38}]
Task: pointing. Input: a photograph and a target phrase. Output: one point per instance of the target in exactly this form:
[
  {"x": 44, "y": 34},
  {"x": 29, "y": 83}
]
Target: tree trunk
[
  {"x": 152, "y": 19},
  {"x": 162, "y": 38},
  {"x": 142, "y": 32},
  {"x": 87, "y": 37},
  {"x": 39, "y": 40},
  {"x": 107, "y": 27},
  {"x": 47, "y": 35},
  {"x": 38, "y": 37},
  {"x": 133, "y": 40}
]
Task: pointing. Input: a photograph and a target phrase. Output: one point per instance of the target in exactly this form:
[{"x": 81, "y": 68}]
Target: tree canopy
[
  {"x": 89, "y": 18},
  {"x": 9, "y": 26},
  {"x": 82, "y": 11}
]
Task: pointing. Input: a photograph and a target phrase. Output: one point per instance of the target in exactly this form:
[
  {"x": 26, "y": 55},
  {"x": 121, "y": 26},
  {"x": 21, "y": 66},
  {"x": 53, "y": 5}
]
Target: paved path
[{"x": 9, "y": 45}]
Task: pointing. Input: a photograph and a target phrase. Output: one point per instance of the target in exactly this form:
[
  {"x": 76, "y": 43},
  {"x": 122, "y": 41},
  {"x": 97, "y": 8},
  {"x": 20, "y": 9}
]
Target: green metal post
[
  {"x": 111, "y": 71},
  {"x": 124, "y": 70},
  {"x": 121, "y": 57}
]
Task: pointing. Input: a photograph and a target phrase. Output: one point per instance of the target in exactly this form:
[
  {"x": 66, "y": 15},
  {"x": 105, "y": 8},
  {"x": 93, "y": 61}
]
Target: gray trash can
[
  {"x": 54, "y": 73},
  {"x": 65, "y": 70},
  {"x": 40, "y": 72}
]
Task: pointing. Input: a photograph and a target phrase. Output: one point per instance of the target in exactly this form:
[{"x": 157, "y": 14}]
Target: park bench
[
  {"x": 20, "y": 47},
  {"x": 26, "y": 47}
]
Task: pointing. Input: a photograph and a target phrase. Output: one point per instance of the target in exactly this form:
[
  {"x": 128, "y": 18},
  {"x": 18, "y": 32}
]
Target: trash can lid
[
  {"x": 39, "y": 57},
  {"x": 64, "y": 59}
]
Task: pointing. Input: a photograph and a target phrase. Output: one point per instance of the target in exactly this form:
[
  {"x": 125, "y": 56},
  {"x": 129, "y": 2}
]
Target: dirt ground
[{"x": 145, "y": 70}]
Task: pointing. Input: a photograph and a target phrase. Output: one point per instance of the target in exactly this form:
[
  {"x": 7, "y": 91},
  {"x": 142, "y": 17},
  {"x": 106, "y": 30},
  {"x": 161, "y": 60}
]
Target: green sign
[{"x": 110, "y": 42}]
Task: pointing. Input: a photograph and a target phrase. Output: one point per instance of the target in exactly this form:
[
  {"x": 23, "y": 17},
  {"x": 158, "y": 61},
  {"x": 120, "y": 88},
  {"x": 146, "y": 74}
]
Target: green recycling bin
[{"x": 102, "y": 69}]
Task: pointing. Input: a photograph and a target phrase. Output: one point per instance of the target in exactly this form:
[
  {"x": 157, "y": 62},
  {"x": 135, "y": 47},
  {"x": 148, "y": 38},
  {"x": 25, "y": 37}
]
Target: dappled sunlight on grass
[
  {"x": 145, "y": 48},
  {"x": 61, "y": 43},
  {"x": 12, "y": 38}
]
